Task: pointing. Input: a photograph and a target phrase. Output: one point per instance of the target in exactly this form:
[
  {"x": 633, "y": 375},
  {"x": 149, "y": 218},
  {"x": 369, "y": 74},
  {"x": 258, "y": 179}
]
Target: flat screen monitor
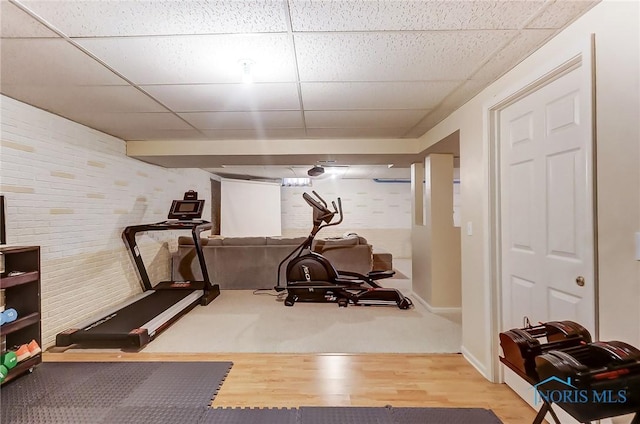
[{"x": 186, "y": 209}]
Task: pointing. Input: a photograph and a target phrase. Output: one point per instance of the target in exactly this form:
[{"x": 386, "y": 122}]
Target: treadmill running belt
[{"x": 137, "y": 314}]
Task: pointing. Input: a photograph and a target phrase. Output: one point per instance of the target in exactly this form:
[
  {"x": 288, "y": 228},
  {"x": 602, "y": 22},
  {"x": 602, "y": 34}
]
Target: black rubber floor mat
[
  {"x": 156, "y": 415},
  {"x": 58, "y": 388},
  {"x": 104, "y": 384},
  {"x": 444, "y": 416},
  {"x": 349, "y": 415},
  {"x": 193, "y": 380},
  {"x": 52, "y": 415},
  {"x": 250, "y": 416},
  {"x": 344, "y": 415},
  {"x": 31, "y": 388}
]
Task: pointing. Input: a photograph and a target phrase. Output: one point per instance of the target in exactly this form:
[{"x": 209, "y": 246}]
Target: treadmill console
[{"x": 186, "y": 210}]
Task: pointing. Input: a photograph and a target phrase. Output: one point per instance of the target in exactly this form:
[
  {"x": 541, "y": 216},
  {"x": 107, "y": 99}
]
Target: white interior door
[{"x": 546, "y": 204}]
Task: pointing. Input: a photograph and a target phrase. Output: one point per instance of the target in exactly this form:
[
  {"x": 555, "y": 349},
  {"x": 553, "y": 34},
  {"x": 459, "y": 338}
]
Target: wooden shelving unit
[{"x": 22, "y": 293}]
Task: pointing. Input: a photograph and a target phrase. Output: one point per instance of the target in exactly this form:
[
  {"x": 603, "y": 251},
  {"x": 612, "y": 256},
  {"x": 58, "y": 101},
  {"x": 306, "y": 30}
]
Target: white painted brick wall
[{"x": 72, "y": 190}]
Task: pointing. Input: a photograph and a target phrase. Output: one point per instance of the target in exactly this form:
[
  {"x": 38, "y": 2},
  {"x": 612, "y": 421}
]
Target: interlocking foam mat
[{"x": 97, "y": 392}]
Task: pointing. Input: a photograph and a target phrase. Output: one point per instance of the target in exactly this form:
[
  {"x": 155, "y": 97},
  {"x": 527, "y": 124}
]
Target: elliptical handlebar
[
  {"x": 319, "y": 198},
  {"x": 338, "y": 211},
  {"x": 321, "y": 212}
]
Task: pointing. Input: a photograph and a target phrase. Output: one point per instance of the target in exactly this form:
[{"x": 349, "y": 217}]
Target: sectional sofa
[{"x": 248, "y": 263}]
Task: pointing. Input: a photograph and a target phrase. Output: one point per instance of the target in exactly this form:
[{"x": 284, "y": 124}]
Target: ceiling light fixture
[{"x": 247, "y": 72}]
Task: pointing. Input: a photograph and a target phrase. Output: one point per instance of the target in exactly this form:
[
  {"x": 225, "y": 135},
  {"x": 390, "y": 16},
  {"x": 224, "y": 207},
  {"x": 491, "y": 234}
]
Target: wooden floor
[{"x": 293, "y": 380}]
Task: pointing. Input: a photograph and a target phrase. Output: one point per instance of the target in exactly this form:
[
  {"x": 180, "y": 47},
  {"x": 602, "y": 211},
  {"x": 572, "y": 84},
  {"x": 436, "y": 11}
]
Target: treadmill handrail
[{"x": 196, "y": 227}]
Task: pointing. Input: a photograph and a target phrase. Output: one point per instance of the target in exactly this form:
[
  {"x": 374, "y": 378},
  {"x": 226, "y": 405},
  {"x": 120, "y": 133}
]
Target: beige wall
[
  {"x": 615, "y": 25},
  {"x": 446, "y": 285},
  {"x": 438, "y": 282},
  {"x": 420, "y": 246}
]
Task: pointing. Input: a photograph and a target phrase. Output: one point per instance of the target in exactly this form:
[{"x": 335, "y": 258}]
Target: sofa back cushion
[
  {"x": 205, "y": 241},
  {"x": 288, "y": 241},
  {"x": 252, "y": 262},
  {"x": 244, "y": 241}
]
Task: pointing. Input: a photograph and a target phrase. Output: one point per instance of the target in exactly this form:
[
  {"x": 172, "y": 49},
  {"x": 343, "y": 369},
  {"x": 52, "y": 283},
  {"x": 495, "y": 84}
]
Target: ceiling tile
[
  {"x": 46, "y": 61},
  {"x": 196, "y": 59},
  {"x": 63, "y": 99},
  {"x": 270, "y": 171},
  {"x": 17, "y": 23},
  {"x": 159, "y": 134},
  {"x": 93, "y": 18},
  {"x": 384, "y": 15},
  {"x": 560, "y": 13},
  {"x": 517, "y": 50},
  {"x": 363, "y": 119},
  {"x": 355, "y": 132},
  {"x": 460, "y": 96},
  {"x": 263, "y": 134},
  {"x": 375, "y": 95},
  {"x": 123, "y": 125},
  {"x": 244, "y": 120},
  {"x": 412, "y": 56},
  {"x": 227, "y": 97}
]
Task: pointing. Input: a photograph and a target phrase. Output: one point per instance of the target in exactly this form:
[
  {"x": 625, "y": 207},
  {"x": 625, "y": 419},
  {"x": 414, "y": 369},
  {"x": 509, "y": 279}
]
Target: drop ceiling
[{"x": 322, "y": 70}]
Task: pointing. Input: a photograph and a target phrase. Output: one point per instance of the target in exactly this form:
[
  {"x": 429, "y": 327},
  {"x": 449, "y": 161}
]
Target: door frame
[{"x": 581, "y": 55}]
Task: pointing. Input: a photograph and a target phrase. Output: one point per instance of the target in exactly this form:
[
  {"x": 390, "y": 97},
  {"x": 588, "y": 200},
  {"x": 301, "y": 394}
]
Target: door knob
[{"x": 580, "y": 280}]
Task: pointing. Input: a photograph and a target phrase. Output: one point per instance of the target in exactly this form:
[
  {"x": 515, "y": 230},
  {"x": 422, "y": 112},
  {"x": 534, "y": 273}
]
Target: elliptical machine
[{"x": 312, "y": 278}]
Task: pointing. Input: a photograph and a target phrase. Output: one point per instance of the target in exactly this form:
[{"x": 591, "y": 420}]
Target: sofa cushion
[
  {"x": 382, "y": 260},
  {"x": 289, "y": 241},
  {"x": 244, "y": 241},
  {"x": 186, "y": 240},
  {"x": 339, "y": 241}
]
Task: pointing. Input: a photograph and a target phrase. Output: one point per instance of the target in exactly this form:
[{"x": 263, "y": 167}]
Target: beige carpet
[{"x": 239, "y": 321}]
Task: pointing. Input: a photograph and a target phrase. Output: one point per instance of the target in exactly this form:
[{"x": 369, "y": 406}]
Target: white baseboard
[
  {"x": 475, "y": 362},
  {"x": 436, "y": 310}
]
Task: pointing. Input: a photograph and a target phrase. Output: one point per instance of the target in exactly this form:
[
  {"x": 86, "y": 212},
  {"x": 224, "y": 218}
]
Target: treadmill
[{"x": 137, "y": 321}]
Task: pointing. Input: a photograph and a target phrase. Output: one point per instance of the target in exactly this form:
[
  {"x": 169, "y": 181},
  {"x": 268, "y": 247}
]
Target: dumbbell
[
  {"x": 3, "y": 373},
  {"x": 9, "y": 359},
  {"x": 8, "y": 316}
]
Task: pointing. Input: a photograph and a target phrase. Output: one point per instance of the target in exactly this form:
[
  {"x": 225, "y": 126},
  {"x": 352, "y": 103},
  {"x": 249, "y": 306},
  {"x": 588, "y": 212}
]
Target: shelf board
[
  {"x": 10, "y": 250},
  {"x": 16, "y": 280},
  {"x": 23, "y": 367},
  {"x": 20, "y": 323}
]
